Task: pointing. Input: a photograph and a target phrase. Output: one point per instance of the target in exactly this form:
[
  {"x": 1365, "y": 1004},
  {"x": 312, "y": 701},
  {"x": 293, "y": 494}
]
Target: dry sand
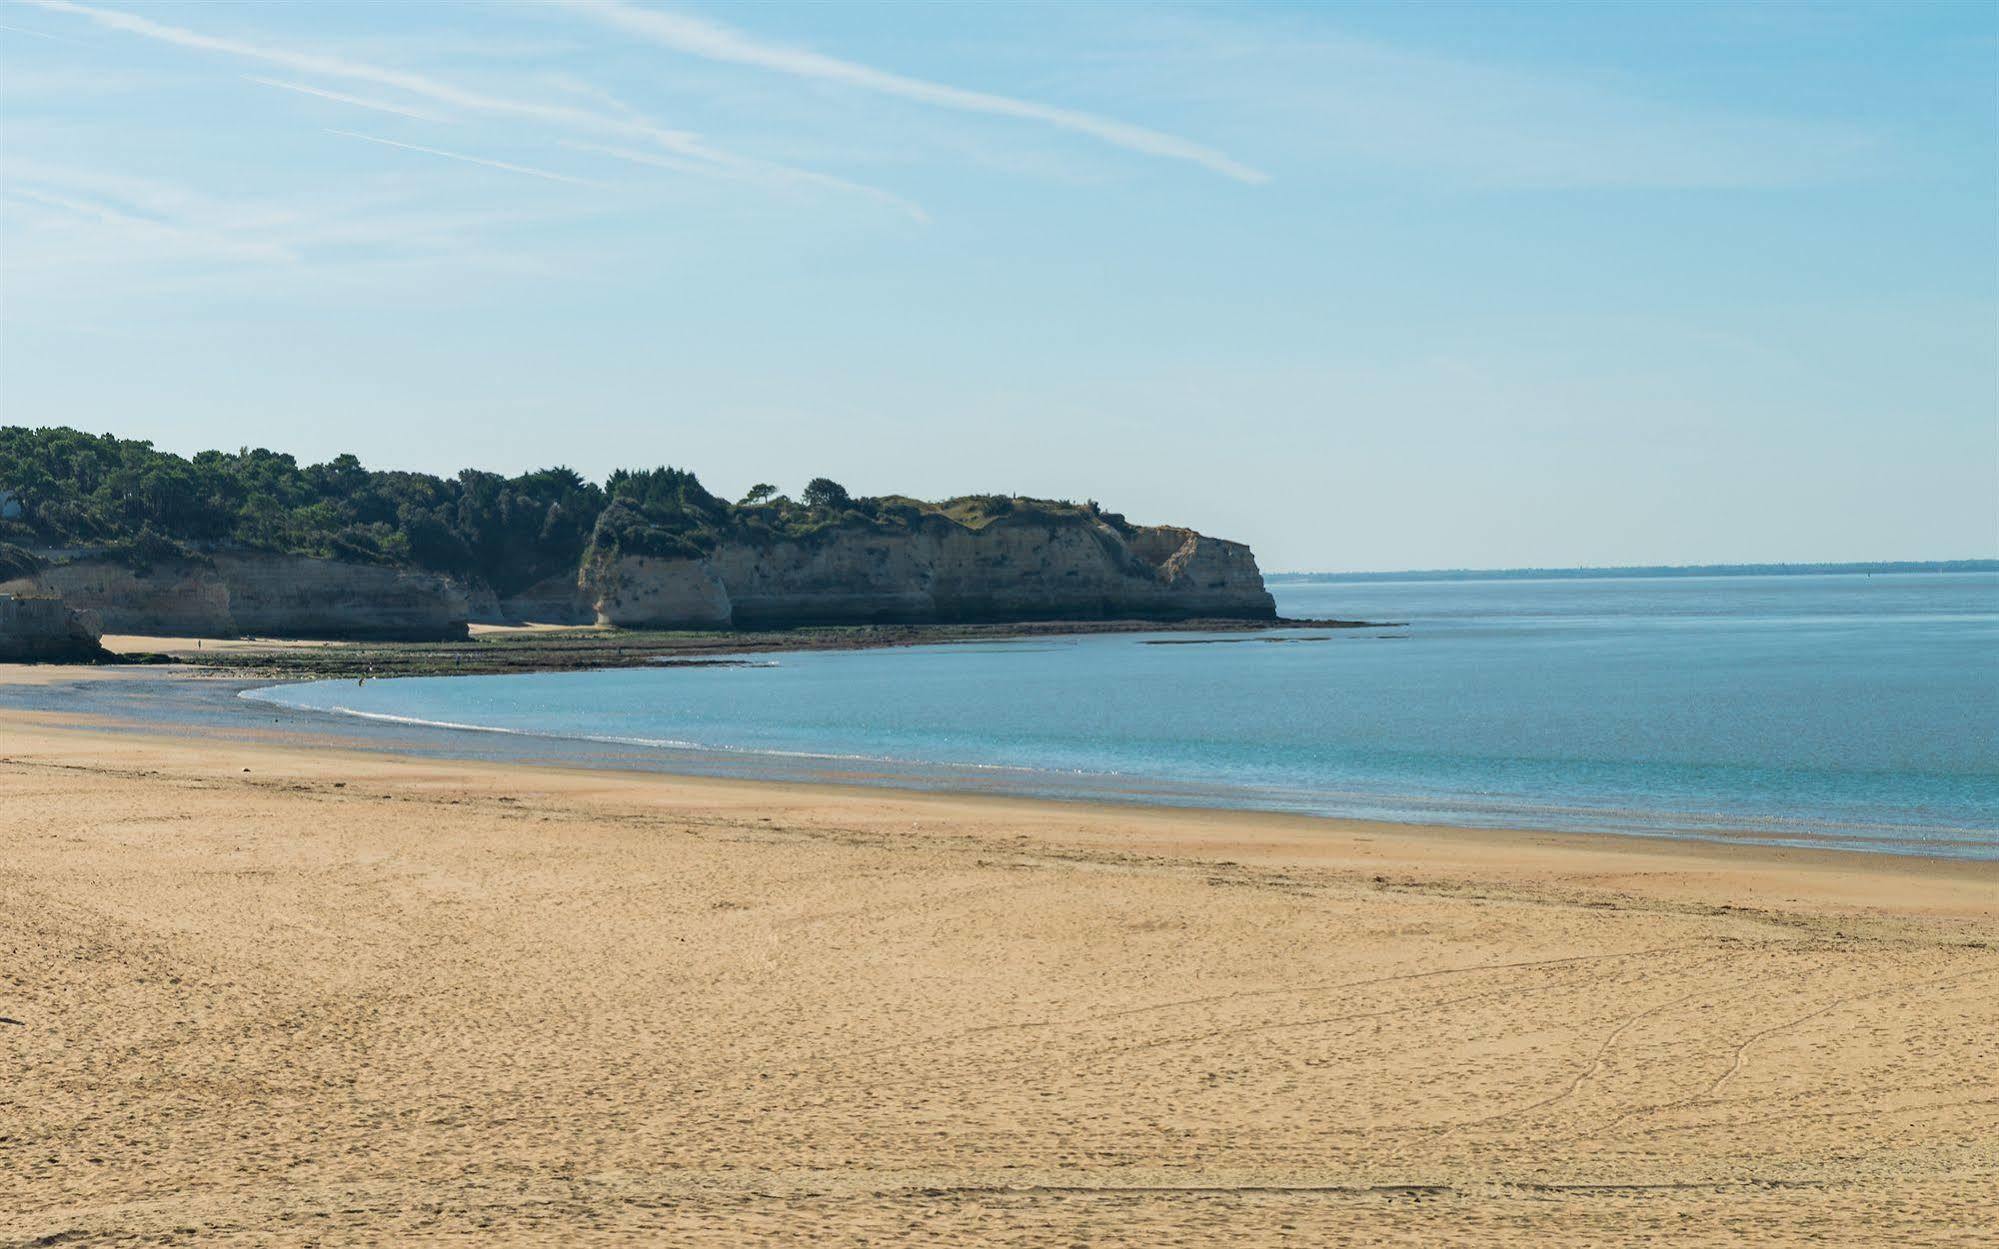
[
  {"x": 148, "y": 644},
  {"x": 151, "y": 644},
  {"x": 258, "y": 994}
]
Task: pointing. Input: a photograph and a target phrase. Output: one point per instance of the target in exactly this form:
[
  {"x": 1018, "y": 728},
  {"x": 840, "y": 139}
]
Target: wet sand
[{"x": 262, "y": 993}]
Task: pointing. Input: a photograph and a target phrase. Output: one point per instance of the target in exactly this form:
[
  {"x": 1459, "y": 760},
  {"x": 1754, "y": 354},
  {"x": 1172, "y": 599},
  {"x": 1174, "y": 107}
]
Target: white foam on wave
[
  {"x": 269, "y": 695},
  {"x": 1487, "y": 810}
]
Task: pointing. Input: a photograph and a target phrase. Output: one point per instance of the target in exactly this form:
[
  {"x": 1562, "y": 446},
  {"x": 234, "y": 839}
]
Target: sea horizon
[{"x": 1580, "y": 571}]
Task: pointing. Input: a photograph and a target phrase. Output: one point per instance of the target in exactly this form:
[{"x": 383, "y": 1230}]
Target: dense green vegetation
[
  {"x": 15, "y": 562},
  {"x": 64, "y": 488}
]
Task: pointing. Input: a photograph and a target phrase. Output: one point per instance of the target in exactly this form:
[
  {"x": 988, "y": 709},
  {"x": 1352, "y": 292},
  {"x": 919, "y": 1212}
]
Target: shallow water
[{"x": 1855, "y": 710}]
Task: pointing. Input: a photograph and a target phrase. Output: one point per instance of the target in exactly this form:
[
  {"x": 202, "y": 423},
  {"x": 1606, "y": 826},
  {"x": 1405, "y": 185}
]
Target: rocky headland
[
  {"x": 1030, "y": 566},
  {"x": 222, "y": 545}
]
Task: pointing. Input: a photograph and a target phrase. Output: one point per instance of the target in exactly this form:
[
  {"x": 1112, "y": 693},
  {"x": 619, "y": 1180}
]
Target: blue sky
[{"x": 1368, "y": 286}]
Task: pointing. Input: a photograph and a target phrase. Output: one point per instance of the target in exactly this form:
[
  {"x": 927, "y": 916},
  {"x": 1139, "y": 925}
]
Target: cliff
[
  {"x": 1031, "y": 566},
  {"x": 552, "y": 600},
  {"x": 223, "y": 543},
  {"x": 929, "y": 567},
  {"x": 46, "y": 630},
  {"x": 1035, "y": 566},
  {"x": 254, "y": 593}
]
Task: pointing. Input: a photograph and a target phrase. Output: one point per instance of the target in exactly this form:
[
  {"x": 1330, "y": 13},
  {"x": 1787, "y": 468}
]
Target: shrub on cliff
[
  {"x": 18, "y": 564},
  {"x": 661, "y": 512},
  {"x": 823, "y": 494},
  {"x": 625, "y": 528},
  {"x": 148, "y": 549},
  {"x": 67, "y": 488}
]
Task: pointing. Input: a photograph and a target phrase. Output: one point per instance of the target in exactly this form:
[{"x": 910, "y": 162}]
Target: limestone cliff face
[
  {"x": 280, "y": 595},
  {"x": 46, "y": 630},
  {"x": 1025, "y": 568},
  {"x": 1017, "y": 567},
  {"x": 298, "y": 596},
  {"x": 174, "y": 599}
]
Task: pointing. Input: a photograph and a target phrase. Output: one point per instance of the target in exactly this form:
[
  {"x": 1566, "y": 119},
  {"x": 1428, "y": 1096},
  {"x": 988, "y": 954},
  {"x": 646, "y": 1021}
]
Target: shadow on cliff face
[{"x": 44, "y": 629}]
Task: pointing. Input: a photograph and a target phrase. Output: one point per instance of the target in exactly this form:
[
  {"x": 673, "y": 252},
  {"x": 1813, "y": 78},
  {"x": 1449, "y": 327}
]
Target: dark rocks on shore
[{"x": 570, "y": 650}]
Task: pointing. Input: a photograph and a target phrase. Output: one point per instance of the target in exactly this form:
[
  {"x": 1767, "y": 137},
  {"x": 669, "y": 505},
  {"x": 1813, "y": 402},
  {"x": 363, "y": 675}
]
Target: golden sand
[
  {"x": 260, "y": 994},
  {"x": 146, "y": 643}
]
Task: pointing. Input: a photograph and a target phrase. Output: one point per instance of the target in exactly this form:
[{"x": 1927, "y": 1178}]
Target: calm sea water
[{"x": 1854, "y": 710}]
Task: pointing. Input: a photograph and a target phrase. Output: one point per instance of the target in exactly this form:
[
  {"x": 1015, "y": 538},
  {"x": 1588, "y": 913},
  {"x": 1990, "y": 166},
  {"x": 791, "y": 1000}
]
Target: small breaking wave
[{"x": 269, "y": 695}]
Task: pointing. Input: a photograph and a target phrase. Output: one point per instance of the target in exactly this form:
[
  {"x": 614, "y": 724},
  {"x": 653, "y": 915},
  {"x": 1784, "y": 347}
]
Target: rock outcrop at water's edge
[
  {"x": 1041, "y": 567},
  {"x": 45, "y": 629}
]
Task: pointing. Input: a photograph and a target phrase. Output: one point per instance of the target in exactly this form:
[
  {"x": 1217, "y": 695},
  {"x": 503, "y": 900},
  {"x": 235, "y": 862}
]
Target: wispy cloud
[
  {"x": 529, "y": 170},
  {"x": 149, "y": 234},
  {"x": 716, "y": 42},
  {"x": 100, "y": 217},
  {"x": 652, "y": 159},
  {"x": 338, "y": 97},
  {"x": 341, "y": 67},
  {"x": 40, "y": 34},
  {"x": 73, "y": 83},
  {"x": 143, "y": 197},
  {"x": 1355, "y": 107},
  {"x": 573, "y": 85},
  {"x": 684, "y": 142},
  {"x": 756, "y": 171}
]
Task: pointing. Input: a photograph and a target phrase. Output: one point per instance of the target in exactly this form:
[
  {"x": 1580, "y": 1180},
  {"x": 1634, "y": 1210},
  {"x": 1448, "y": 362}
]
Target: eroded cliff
[
  {"x": 225, "y": 543},
  {"x": 254, "y": 593},
  {"x": 39, "y": 628},
  {"x": 1033, "y": 567}
]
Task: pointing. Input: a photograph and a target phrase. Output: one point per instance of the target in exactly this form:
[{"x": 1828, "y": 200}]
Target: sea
[{"x": 1848, "y": 710}]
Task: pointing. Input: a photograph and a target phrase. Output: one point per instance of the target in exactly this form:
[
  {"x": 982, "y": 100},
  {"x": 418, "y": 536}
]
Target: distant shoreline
[
  {"x": 1645, "y": 570},
  {"x": 496, "y": 650}
]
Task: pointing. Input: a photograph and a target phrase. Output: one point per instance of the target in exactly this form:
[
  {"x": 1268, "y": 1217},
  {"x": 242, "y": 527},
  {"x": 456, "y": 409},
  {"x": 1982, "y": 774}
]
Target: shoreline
[
  {"x": 499, "y": 649},
  {"x": 278, "y": 991},
  {"x": 156, "y": 698},
  {"x": 1832, "y": 876},
  {"x": 1275, "y": 827}
]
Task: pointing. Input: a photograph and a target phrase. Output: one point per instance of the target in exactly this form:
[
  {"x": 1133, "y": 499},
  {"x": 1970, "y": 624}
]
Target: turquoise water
[{"x": 1854, "y": 710}]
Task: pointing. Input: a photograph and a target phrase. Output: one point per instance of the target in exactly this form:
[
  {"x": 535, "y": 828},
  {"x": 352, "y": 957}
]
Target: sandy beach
[{"x": 265, "y": 993}]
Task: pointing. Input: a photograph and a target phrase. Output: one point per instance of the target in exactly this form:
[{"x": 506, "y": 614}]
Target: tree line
[{"x": 61, "y": 487}]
